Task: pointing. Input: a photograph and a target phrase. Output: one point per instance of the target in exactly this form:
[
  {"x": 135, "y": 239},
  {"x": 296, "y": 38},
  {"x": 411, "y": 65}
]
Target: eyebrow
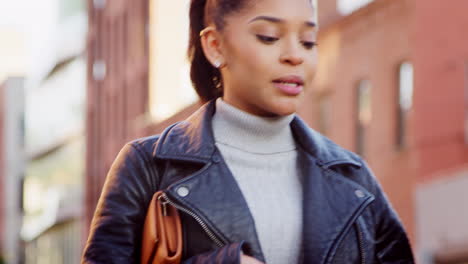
[{"x": 279, "y": 20}]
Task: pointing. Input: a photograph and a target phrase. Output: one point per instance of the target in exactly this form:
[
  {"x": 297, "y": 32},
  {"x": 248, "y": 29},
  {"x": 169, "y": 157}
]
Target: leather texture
[
  {"x": 347, "y": 217},
  {"x": 162, "y": 233}
]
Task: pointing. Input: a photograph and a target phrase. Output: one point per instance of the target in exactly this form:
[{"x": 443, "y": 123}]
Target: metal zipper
[
  {"x": 203, "y": 225},
  {"x": 361, "y": 244}
]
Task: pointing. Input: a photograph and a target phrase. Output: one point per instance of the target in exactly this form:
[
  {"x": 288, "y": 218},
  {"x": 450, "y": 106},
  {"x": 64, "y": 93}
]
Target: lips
[
  {"x": 290, "y": 85},
  {"x": 292, "y": 79}
]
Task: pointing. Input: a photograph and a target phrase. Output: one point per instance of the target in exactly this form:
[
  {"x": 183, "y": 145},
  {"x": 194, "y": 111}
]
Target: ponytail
[{"x": 202, "y": 72}]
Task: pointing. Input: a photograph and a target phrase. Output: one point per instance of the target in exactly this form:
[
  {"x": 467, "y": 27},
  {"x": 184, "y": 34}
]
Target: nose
[{"x": 292, "y": 55}]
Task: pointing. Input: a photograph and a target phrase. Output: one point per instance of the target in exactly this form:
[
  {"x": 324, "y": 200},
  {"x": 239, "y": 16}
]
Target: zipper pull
[{"x": 164, "y": 203}]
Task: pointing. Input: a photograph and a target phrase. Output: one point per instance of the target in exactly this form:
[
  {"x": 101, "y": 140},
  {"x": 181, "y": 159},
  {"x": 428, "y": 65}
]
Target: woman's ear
[{"x": 211, "y": 43}]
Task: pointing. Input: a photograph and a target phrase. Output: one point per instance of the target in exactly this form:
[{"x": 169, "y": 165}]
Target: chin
[
  {"x": 287, "y": 111},
  {"x": 283, "y": 108},
  {"x": 286, "y": 106}
]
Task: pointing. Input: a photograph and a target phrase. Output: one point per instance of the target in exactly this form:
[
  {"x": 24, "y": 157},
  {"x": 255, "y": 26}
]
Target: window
[
  {"x": 346, "y": 7},
  {"x": 170, "y": 86},
  {"x": 405, "y": 102},
  {"x": 364, "y": 114}
]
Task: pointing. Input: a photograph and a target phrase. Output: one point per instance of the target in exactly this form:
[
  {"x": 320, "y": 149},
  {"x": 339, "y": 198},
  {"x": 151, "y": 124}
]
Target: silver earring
[{"x": 217, "y": 64}]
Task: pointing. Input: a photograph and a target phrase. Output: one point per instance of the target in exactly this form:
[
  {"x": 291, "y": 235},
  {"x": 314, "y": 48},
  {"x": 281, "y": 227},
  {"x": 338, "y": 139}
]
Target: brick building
[
  {"x": 117, "y": 93},
  {"x": 440, "y": 53},
  {"x": 391, "y": 85}
]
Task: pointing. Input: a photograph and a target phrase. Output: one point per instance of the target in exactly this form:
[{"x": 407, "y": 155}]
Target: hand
[{"x": 249, "y": 260}]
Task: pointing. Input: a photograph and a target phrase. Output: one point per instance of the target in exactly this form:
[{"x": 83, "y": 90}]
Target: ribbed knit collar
[{"x": 238, "y": 129}]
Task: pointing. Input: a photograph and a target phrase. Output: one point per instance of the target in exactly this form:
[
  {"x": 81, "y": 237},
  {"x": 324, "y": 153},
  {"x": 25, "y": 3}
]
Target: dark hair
[{"x": 206, "y": 79}]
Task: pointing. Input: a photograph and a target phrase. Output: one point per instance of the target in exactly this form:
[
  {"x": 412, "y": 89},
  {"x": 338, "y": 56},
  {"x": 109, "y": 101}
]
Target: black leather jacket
[{"x": 347, "y": 218}]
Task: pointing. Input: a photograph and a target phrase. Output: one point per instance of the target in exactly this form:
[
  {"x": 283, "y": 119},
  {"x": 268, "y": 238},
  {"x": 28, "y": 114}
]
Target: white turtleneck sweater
[{"x": 261, "y": 154}]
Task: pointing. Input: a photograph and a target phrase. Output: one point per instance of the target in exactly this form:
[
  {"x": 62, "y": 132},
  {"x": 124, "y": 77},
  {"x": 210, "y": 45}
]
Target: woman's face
[{"x": 270, "y": 56}]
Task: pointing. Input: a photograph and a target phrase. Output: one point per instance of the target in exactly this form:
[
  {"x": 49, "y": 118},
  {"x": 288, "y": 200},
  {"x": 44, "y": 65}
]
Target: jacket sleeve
[
  {"x": 115, "y": 231},
  {"x": 392, "y": 244}
]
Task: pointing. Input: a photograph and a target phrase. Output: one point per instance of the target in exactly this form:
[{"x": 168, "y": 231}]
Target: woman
[{"x": 255, "y": 184}]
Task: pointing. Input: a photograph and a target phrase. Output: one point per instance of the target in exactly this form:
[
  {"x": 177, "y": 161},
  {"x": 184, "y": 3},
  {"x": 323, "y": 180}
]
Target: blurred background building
[
  {"x": 55, "y": 139},
  {"x": 392, "y": 85},
  {"x": 42, "y": 190}
]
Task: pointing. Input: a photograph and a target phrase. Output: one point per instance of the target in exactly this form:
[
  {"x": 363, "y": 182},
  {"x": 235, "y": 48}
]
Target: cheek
[
  {"x": 311, "y": 65},
  {"x": 252, "y": 59}
]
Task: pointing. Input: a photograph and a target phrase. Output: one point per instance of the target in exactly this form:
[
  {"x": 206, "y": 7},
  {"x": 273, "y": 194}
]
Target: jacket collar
[{"x": 193, "y": 140}]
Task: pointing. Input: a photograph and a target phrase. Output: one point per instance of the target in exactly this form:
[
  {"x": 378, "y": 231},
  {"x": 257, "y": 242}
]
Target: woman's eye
[
  {"x": 309, "y": 44},
  {"x": 266, "y": 39}
]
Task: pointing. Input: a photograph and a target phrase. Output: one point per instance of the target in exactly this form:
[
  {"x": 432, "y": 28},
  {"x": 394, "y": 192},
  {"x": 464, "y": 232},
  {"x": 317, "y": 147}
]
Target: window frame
[
  {"x": 403, "y": 108},
  {"x": 361, "y": 120}
]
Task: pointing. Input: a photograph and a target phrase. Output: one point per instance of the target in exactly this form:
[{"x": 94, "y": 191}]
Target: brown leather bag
[{"x": 162, "y": 233}]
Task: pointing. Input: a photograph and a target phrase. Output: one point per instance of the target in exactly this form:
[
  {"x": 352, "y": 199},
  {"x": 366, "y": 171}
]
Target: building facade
[
  {"x": 391, "y": 85},
  {"x": 117, "y": 93},
  {"x": 440, "y": 117}
]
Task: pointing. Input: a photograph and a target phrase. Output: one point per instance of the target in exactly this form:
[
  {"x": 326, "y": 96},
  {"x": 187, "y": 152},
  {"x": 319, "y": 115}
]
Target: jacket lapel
[
  {"x": 213, "y": 192},
  {"x": 331, "y": 204},
  {"x": 216, "y": 198}
]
